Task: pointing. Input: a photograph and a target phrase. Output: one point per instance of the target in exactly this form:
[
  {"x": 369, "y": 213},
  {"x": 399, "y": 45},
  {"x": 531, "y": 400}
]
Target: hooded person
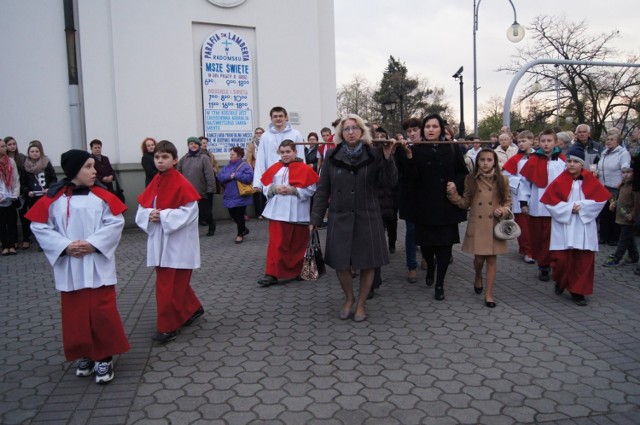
[
  {"x": 78, "y": 226},
  {"x": 574, "y": 200}
]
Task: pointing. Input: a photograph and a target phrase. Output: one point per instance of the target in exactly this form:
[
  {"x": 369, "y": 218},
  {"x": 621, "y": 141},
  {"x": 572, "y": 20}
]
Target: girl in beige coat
[{"x": 487, "y": 194}]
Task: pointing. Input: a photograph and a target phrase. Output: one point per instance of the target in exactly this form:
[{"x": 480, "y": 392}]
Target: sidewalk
[{"x": 280, "y": 355}]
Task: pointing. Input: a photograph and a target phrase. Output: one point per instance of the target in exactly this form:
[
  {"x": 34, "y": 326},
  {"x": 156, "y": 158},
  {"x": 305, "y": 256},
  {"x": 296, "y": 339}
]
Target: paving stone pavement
[{"x": 280, "y": 355}]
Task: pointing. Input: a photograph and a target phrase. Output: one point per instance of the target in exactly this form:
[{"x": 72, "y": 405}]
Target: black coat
[
  {"x": 37, "y": 182},
  {"x": 149, "y": 166},
  {"x": 424, "y": 195},
  {"x": 355, "y": 236}
]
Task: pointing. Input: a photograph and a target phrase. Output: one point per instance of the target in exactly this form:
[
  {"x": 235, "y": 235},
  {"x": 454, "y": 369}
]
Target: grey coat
[
  {"x": 199, "y": 171},
  {"x": 355, "y": 236}
]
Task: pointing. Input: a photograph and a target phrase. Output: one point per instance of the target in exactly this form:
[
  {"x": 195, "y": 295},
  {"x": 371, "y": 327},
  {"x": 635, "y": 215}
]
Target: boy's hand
[
  {"x": 79, "y": 249},
  {"x": 575, "y": 209},
  {"x": 154, "y": 217},
  {"x": 451, "y": 188}
]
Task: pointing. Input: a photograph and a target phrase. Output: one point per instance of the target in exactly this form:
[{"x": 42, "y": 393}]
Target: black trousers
[
  {"x": 205, "y": 214},
  {"x": 259, "y": 201},
  {"x": 391, "y": 226},
  {"x": 237, "y": 214},
  {"x": 437, "y": 258},
  {"x": 627, "y": 243},
  {"x": 8, "y": 226}
]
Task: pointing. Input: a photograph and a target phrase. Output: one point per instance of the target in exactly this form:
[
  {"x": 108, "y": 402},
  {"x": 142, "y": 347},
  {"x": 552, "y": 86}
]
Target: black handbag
[{"x": 117, "y": 189}]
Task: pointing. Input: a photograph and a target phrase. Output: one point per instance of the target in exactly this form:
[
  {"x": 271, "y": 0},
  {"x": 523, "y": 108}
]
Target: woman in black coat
[
  {"x": 428, "y": 168},
  {"x": 351, "y": 174},
  {"x": 150, "y": 170}
]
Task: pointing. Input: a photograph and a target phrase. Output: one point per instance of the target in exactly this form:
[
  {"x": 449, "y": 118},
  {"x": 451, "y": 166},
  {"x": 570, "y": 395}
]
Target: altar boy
[
  {"x": 574, "y": 200},
  {"x": 168, "y": 213},
  {"x": 78, "y": 226}
]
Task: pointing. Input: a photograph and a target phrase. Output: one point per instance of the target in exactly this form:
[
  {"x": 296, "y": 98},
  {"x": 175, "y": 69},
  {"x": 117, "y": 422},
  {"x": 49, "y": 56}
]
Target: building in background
[{"x": 120, "y": 70}]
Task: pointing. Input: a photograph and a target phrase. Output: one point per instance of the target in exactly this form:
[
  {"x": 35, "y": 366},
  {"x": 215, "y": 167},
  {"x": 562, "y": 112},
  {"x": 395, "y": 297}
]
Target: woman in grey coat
[{"x": 349, "y": 178}]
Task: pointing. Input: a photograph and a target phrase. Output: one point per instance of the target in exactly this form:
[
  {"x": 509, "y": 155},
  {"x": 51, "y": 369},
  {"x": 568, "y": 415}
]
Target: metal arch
[{"x": 506, "y": 115}]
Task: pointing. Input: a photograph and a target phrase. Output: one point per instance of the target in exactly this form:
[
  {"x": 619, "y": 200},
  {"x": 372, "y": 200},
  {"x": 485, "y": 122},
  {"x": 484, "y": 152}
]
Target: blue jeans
[{"x": 410, "y": 245}]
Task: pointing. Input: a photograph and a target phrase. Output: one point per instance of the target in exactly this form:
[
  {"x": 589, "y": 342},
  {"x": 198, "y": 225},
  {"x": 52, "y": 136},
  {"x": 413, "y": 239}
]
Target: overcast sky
[{"x": 435, "y": 37}]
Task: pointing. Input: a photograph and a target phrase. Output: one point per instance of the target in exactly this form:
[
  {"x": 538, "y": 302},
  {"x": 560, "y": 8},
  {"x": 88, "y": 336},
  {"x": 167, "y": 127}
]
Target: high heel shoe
[
  {"x": 429, "y": 280},
  {"x": 439, "y": 295},
  {"x": 476, "y": 288},
  {"x": 490, "y": 304}
]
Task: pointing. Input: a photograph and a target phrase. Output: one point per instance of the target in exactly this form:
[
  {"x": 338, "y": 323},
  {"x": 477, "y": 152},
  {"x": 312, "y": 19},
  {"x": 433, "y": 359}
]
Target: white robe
[
  {"x": 90, "y": 219},
  {"x": 174, "y": 242},
  {"x": 531, "y": 193},
  {"x": 514, "y": 185},
  {"x": 575, "y": 231},
  {"x": 288, "y": 208}
]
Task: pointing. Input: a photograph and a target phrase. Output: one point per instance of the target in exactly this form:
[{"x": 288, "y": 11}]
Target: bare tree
[
  {"x": 356, "y": 97},
  {"x": 592, "y": 94}
]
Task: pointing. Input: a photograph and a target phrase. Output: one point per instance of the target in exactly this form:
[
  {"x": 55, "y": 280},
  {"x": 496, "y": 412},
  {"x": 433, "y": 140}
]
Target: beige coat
[{"x": 478, "y": 239}]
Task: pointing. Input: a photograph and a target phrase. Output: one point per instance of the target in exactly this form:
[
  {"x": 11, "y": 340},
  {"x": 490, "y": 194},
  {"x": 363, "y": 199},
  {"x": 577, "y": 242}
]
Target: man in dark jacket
[
  {"x": 104, "y": 171},
  {"x": 592, "y": 149}
]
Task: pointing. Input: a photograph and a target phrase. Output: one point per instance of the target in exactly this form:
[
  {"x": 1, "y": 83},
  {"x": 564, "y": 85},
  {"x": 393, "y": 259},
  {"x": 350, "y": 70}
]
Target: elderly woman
[
  {"x": 351, "y": 174},
  {"x": 427, "y": 168},
  {"x": 236, "y": 171},
  {"x": 609, "y": 172}
]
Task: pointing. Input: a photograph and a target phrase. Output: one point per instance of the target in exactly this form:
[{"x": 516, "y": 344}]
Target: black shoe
[
  {"x": 267, "y": 280},
  {"x": 392, "y": 249},
  {"x": 199, "y": 312},
  {"x": 490, "y": 304},
  {"x": 429, "y": 280},
  {"x": 245, "y": 232},
  {"x": 477, "y": 289},
  {"x": 211, "y": 233},
  {"x": 165, "y": 336},
  {"x": 439, "y": 295},
  {"x": 543, "y": 275},
  {"x": 371, "y": 294},
  {"x": 558, "y": 290},
  {"x": 579, "y": 300}
]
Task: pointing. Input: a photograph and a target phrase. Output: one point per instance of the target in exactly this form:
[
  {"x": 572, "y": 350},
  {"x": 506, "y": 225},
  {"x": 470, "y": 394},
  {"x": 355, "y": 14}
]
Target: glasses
[{"x": 352, "y": 129}]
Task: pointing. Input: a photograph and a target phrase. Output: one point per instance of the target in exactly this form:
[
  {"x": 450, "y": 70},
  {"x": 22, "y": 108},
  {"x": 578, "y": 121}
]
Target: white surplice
[
  {"x": 89, "y": 219},
  {"x": 173, "y": 242},
  {"x": 288, "y": 208},
  {"x": 531, "y": 193}
]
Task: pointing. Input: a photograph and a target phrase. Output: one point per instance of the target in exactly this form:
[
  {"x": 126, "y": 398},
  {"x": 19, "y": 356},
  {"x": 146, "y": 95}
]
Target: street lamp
[
  {"x": 458, "y": 76},
  {"x": 515, "y": 34},
  {"x": 390, "y": 106}
]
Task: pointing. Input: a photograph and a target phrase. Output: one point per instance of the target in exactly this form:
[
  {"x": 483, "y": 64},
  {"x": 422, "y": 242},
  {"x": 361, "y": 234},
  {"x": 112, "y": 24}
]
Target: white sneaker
[
  {"x": 104, "y": 372},
  {"x": 528, "y": 259},
  {"x": 85, "y": 367}
]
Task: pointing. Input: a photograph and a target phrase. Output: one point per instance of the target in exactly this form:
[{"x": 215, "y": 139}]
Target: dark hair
[
  {"x": 335, "y": 123},
  {"x": 278, "y": 109},
  {"x": 449, "y": 133},
  {"x": 287, "y": 142},
  {"x": 381, "y": 130},
  {"x": 201, "y": 138},
  {"x": 17, "y": 158},
  {"x": 325, "y": 130},
  {"x": 144, "y": 144},
  {"x": 411, "y": 122},
  {"x": 313, "y": 133},
  {"x": 548, "y": 132},
  {"x": 258, "y": 128},
  {"x": 500, "y": 182},
  {"x": 37, "y": 144},
  {"x": 165, "y": 146},
  {"x": 95, "y": 142},
  {"x": 431, "y": 117},
  {"x": 238, "y": 150}
]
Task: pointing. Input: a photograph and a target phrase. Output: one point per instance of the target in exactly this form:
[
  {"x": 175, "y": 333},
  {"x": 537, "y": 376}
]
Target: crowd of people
[{"x": 567, "y": 193}]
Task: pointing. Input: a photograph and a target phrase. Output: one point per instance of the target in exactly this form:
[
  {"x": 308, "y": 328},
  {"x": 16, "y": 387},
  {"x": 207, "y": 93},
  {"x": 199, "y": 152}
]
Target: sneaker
[
  {"x": 528, "y": 260},
  {"x": 611, "y": 261},
  {"x": 104, "y": 372},
  {"x": 85, "y": 367}
]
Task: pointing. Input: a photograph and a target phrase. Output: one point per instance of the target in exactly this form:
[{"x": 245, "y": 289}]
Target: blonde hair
[{"x": 366, "y": 134}]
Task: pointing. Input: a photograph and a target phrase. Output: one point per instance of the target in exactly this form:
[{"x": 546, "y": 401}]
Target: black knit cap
[{"x": 72, "y": 161}]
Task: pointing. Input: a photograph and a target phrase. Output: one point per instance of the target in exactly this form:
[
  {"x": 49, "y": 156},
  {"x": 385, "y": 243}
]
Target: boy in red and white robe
[
  {"x": 168, "y": 213},
  {"x": 542, "y": 167},
  {"x": 574, "y": 201},
  {"x": 78, "y": 226},
  {"x": 511, "y": 169},
  {"x": 288, "y": 185}
]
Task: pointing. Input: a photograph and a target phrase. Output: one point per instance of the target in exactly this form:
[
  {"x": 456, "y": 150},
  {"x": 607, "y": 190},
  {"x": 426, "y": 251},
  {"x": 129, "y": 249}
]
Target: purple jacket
[{"x": 231, "y": 197}]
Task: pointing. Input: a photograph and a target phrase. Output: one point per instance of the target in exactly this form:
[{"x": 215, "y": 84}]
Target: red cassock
[{"x": 175, "y": 299}]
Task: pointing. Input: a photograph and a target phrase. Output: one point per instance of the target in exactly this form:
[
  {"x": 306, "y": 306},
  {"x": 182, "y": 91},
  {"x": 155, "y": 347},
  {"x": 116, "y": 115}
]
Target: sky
[{"x": 435, "y": 37}]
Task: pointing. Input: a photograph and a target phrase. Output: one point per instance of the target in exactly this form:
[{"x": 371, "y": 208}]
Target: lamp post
[
  {"x": 390, "y": 106},
  {"x": 515, "y": 34},
  {"x": 557, "y": 98},
  {"x": 461, "y": 130}
]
